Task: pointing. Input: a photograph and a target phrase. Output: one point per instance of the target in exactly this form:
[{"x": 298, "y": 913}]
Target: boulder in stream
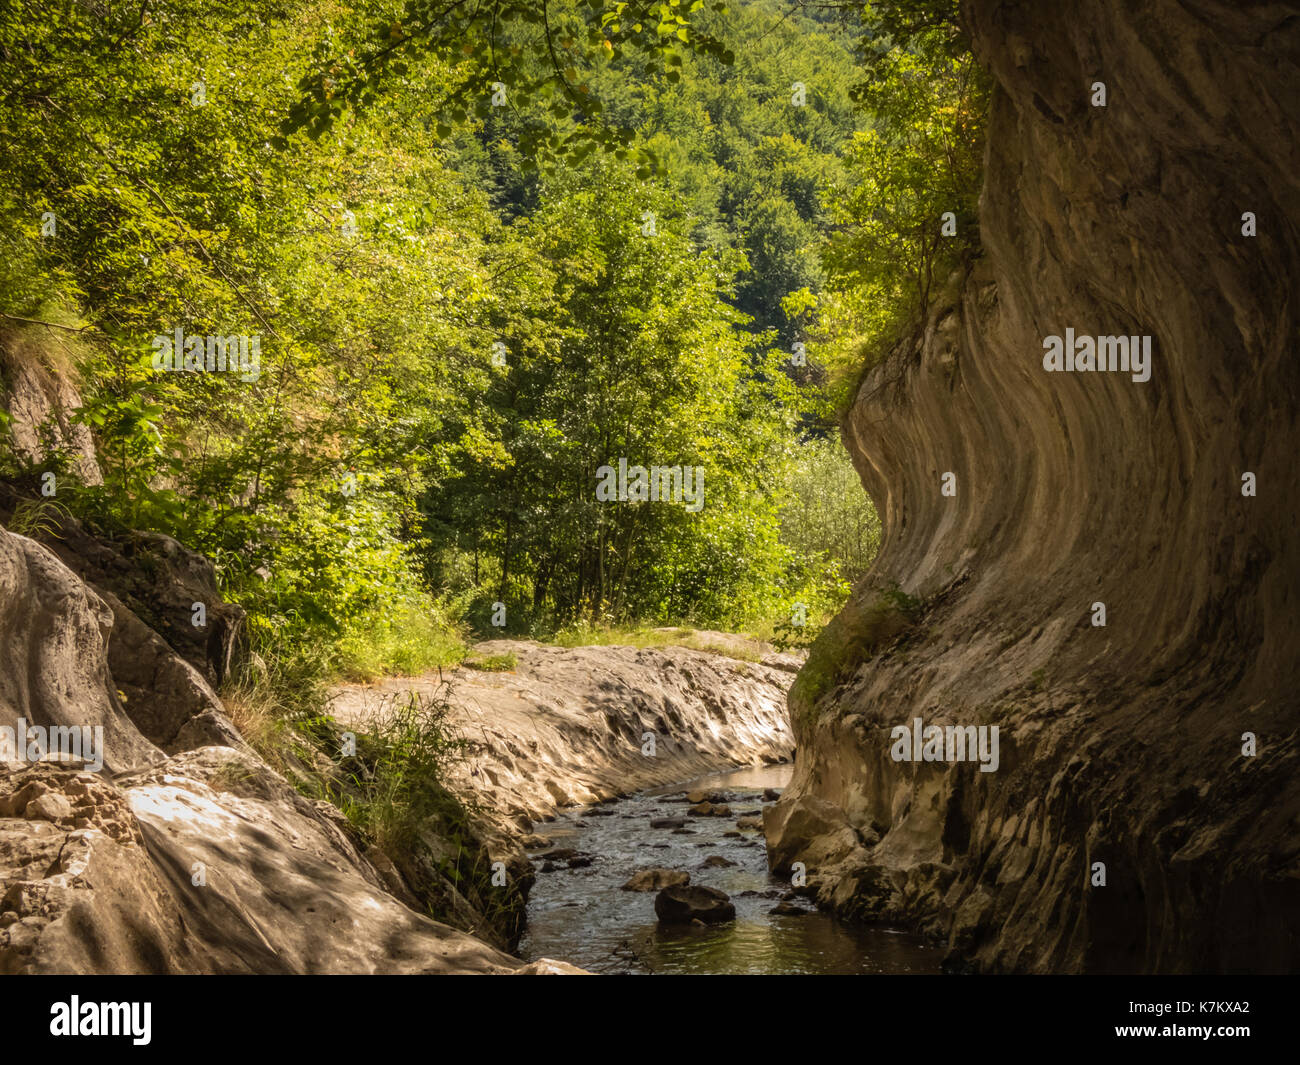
[{"x": 692, "y": 902}]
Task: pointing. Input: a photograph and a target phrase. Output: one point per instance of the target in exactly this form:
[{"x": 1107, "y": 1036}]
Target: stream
[{"x": 580, "y": 913}]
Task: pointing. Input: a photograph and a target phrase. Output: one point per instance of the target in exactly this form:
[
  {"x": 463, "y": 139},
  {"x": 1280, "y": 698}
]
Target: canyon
[{"x": 1141, "y": 813}]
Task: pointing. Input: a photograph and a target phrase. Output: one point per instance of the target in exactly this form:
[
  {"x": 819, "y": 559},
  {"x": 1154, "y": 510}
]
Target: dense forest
[{"x": 366, "y": 301}]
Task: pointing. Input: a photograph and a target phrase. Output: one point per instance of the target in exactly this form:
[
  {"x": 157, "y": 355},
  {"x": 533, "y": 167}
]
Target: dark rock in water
[
  {"x": 560, "y": 854},
  {"x": 533, "y": 843},
  {"x": 755, "y": 823},
  {"x": 789, "y": 909},
  {"x": 716, "y": 861},
  {"x": 683, "y": 831},
  {"x": 656, "y": 879},
  {"x": 771, "y": 794},
  {"x": 579, "y": 863},
  {"x": 668, "y": 822},
  {"x": 598, "y": 813},
  {"x": 691, "y": 902},
  {"x": 733, "y": 834},
  {"x": 548, "y": 867}
]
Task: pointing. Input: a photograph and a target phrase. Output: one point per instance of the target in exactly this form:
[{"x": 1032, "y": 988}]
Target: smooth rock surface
[{"x": 656, "y": 879}]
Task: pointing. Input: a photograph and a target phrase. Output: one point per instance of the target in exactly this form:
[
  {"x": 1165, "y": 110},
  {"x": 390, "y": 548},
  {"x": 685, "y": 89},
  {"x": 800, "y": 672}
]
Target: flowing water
[{"x": 580, "y": 915}]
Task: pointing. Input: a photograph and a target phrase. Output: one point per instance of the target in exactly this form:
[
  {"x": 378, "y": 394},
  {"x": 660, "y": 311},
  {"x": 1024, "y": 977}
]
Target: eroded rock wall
[{"x": 1120, "y": 744}]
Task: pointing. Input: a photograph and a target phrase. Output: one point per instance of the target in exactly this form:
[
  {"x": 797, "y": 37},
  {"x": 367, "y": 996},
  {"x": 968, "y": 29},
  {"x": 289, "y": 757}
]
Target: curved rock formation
[{"x": 1121, "y": 744}]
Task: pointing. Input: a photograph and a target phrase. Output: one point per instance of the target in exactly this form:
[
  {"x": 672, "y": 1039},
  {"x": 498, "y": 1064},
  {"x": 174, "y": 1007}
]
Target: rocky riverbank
[
  {"x": 188, "y": 853},
  {"x": 568, "y": 726}
]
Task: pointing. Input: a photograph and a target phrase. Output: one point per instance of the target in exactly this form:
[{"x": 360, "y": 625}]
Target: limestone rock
[
  {"x": 54, "y": 634},
  {"x": 204, "y": 862}
]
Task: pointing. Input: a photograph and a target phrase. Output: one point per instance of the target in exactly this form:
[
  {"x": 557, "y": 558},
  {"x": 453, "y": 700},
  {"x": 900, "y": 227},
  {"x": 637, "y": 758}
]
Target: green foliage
[
  {"x": 646, "y": 363},
  {"x": 526, "y": 57},
  {"x": 492, "y": 663},
  {"x": 37, "y": 517},
  {"x": 828, "y": 517},
  {"x": 915, "y": 172},
  {"x": 645, "y": 229},
  {"x": 921, "y": 162},
  {"x": 395, "y": 783},
  {"x": 338, "y": 185}
]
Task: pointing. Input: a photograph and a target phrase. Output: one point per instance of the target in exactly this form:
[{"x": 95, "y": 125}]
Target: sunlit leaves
[{"x": 512, "y": 54}]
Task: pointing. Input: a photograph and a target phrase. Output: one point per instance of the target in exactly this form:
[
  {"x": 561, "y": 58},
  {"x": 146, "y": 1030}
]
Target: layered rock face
[{"x": 1121, "y": 745}]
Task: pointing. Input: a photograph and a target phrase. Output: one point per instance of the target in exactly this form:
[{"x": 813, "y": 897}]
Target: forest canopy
[{"x": 482, "y": 251}]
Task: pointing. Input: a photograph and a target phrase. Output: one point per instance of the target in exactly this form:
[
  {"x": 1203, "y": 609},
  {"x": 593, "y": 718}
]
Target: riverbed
[{"x": 582, "y": 915}]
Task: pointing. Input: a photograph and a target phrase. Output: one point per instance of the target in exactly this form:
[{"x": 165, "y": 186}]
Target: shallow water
[{"x": 582, "y": 916}]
